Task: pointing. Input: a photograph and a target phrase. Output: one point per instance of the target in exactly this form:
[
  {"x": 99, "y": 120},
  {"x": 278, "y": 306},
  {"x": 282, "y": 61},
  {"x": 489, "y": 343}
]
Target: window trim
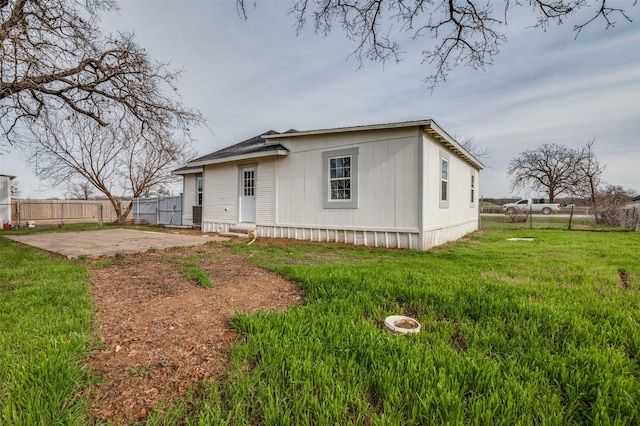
[
  {"x": 473, "y": 184},
  {"x": 444, "y": 196},
  {"x": 327, "y": 202},
  {"x": 244, "y": 180},
  {"x": 199, "y": 189}
]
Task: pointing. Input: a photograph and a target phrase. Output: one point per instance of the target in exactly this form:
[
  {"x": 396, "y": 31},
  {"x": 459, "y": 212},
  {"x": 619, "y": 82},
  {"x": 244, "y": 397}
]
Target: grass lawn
[
  {"x": 45, "y": 323},
  {"x": 556, "y": 221},
  {"x": 513, "y": 332}
]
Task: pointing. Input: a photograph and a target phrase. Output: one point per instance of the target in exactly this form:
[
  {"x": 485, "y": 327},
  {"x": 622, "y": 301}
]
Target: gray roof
[
  {"x": 266, "y": 144},
  {"x": 250, "y": 146}
]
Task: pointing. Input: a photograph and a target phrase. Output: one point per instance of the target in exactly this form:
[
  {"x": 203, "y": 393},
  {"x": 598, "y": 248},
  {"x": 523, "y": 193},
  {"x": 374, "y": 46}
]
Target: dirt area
[{"x": 162, "y": 332}]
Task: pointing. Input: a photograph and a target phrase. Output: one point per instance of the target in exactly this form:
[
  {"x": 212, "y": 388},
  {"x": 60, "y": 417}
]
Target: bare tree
[
  {"x": 465, "y": 32},
  {"x": 15, "y": 188},
  {"x": 473, "y": 147},
  {"x": 591, "y": 170},
  {"x": 55, "y": 58},
  {"x": 80, "y": 190},
  {"x": 551, "y": 168},
  {"x": 120, "y": 161},
  {"x": 611, "y": 200}
]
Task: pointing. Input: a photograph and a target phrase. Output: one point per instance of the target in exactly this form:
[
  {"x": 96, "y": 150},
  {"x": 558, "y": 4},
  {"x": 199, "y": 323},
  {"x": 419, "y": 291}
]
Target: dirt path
[{"x": 162, "y": 332}]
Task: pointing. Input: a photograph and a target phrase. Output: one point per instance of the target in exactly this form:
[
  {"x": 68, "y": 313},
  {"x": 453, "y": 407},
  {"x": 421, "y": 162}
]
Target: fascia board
[
  {"x": 249, "y": 156},
  {"x": 430, "y": 126},
  {"x": 349, "y": 129},
  {"x": 188, "y": 171}
]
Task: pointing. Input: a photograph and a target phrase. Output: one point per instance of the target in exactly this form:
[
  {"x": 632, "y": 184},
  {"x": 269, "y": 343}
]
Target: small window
[
  {"x": 340, "y": 179},
  {"x": 444, "y": 180},
  {"x": 199, "y": 190},
  {"x": 473, "y": 189},
  {"x": 249, "y": 183}
]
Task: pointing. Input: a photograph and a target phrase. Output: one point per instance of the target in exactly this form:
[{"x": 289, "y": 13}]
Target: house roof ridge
[
  {"x": 356, "y": 128},
  {"x": 255, "y": 144}
]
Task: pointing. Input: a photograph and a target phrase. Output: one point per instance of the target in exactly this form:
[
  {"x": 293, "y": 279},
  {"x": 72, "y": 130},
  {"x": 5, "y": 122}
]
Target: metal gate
[{"x": 159, "y": 210}]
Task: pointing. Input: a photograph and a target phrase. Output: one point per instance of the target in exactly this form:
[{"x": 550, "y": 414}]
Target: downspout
[{"x": 421, "y": 186}]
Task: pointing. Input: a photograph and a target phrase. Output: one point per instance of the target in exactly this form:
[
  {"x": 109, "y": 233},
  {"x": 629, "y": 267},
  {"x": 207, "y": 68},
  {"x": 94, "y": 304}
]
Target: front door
[{"x": 248, "y": 194}]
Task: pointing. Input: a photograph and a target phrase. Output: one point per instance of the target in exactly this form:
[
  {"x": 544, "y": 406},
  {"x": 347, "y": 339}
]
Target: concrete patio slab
[{"x": 110, "y": 242}]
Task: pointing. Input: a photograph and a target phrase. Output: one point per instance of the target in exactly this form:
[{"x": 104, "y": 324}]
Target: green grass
[
  {"x": 45, "y": 320},
  {"x": 197, "y": 274},
  {"x": 556, "y": 221},
  {"x": 514, "y": 332}
]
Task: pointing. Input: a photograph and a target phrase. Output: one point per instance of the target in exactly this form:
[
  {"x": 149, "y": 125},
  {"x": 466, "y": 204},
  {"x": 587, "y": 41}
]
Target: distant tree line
[{"x": 576, "y": 173}]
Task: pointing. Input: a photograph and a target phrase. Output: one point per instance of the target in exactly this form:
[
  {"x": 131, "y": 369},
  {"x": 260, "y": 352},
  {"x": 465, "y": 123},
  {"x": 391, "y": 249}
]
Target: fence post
[
  {"x": 17, "y": 214},
  {"x": 570, "y": 217},
  {"x": 530, "y": 216}
]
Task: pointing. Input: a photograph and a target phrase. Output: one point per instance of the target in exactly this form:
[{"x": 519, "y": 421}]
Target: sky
[{"x": 250, "y": 76}]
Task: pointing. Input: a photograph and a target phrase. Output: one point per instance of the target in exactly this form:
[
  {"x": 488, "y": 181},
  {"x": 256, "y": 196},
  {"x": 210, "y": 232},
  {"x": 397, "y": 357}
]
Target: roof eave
[
  {"x": 248, "y": 156},
  {"x": 187, "y": 171},
  {"x": 443, "y": 137},
  {"x": 429, "y": 125},
  {"x": 351, "y": 129}
]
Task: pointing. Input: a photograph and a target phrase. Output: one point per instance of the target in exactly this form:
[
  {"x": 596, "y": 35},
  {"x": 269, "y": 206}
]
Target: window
[
  {"x": 444, "y": 180},
  {"x": 199, "y": 190},
  {"x": 249, "y": 183},
  {"x": 473, "y": 189},
  {"x": 340, "y": 179}
]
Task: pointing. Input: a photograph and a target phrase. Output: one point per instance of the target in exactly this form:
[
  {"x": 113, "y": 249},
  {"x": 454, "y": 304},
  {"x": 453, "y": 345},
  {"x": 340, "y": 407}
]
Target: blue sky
[{"x": 251, "y": 76}]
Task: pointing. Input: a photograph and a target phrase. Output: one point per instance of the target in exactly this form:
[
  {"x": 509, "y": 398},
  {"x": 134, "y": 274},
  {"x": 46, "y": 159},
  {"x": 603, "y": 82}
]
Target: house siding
[
  {"x": 387, "y": 182},
  {"x": 5, "y": 200},
  {"x": 266, "y": 191},
  {"x": 220, "y": 200},
  {"x": 188, "y": 198},
  {"x": 460, "y": 216}
]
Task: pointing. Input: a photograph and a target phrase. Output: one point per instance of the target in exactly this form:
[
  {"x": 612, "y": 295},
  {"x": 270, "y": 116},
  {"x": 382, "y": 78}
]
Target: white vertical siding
[
  {"x": 220, "y": 199},
  {"x": 221, "y": 194},
  {"x": 443, "y": 224},
  {"x": 188, "y": 198},
  {"x": 398, "y": 238},
  {"x": 5, "y": 200},
  {"x": 387, "y": 182},
  {"x": 266, "y": 191}
]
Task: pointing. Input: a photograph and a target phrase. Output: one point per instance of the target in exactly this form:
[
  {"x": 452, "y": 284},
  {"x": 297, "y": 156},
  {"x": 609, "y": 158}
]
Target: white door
[{"x": 248, "y": 194}]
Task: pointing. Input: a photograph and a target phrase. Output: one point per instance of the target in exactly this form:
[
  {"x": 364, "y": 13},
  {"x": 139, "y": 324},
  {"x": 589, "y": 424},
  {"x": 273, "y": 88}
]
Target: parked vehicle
[{"x": 534, "y": 205}]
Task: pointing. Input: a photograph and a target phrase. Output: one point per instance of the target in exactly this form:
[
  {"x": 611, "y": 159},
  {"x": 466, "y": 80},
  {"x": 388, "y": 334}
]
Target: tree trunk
[{"x": 121, "y": 213}]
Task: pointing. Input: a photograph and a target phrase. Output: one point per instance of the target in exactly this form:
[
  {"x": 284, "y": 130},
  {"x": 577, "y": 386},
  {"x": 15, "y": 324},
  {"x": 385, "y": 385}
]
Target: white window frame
[
  {"x": 327, "y": 201},
  {"x": 444, "y": 180},
  {"x": 473, "y": 183},
  {"x": 199, "y": 189}
]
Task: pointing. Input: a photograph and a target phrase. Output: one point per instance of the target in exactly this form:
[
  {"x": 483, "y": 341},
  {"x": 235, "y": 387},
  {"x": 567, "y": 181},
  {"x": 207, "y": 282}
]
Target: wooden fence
[{"x": 61, "y": 212}]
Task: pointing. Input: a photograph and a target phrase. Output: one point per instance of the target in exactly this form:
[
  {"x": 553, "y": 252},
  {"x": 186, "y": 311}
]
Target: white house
[
  {"x": 5, "y": 199},
  {"x": 406, "y": 185}
]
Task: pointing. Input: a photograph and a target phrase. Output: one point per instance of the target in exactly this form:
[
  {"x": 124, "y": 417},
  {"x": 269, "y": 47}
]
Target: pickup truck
[{"x": 534, "y": 205}]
